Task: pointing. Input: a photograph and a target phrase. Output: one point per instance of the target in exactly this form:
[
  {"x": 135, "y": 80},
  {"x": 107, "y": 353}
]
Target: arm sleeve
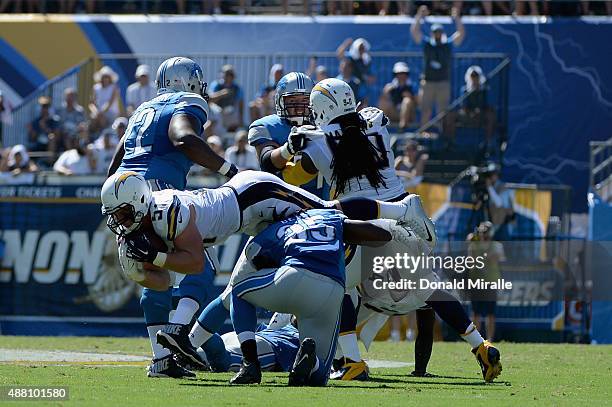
[{"x": 259, "y": 134}]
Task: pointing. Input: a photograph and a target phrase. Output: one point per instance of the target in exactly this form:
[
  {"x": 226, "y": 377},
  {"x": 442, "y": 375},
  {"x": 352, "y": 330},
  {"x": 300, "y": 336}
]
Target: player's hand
[
  {"x": 296, "y": 141},
  {"x": 139, "y": 248}
]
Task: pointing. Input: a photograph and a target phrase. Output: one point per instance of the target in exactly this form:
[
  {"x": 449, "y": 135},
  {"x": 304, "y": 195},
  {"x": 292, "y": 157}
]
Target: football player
[
  {"x": 352, "y": 151},
  {"x": 162, "y": 140},
  {"x": 189, "y": 220},
  {"x": 272, "y": 138},
  {"x": 296, "y": 266},
  {"x": 277, "y": 344}
]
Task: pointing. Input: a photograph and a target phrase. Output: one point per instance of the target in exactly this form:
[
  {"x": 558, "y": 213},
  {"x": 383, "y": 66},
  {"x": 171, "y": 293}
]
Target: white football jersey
[
  {"x": 319, "y": 151},
  {"x": 216, "y": 211}
]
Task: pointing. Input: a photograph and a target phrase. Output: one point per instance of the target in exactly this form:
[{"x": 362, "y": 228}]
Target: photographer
[
  {"x": 501, "y": 211},
  {"x": 484, "y": 301}
]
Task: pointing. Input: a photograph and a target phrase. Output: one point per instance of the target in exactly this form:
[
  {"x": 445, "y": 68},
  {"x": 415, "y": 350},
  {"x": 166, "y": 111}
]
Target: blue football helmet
[
  {"x": 295, "y": 111},
  {"x": 179, "y": 74}
]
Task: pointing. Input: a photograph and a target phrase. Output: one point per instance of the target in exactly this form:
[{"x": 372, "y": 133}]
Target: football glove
[
  {"x": 139, "y": 248},
  {"x": 295, "y": 142}
]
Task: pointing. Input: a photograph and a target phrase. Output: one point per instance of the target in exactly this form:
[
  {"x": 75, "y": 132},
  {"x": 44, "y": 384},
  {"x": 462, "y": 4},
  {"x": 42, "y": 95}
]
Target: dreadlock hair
[{"x": 354, "y": 155}]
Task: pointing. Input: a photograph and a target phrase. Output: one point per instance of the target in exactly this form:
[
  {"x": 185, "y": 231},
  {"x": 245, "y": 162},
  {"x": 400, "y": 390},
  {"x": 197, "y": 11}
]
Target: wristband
[
  {"x": 225, "y": 168},
  {"x": 160, "y": 259},
  {"x": 284, "y": 152}
]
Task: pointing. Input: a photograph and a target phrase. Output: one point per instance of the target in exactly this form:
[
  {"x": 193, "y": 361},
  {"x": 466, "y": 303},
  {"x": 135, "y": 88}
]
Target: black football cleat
[
  {"x": 305, "y": 361},
  {"x": 249, "y": 373},
  {"x": 176, "y": 338},
  {"x": 168, "y": 367}
]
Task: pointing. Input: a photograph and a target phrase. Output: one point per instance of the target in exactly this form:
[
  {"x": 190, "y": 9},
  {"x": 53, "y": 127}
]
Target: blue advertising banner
[{"x": 59, "y": 274}]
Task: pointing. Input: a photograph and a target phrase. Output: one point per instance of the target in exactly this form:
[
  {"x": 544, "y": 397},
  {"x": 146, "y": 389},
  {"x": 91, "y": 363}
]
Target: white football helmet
[
  {"x": 329, "y": 99},
  {"x": 179, "y": 74},
  {"x": 293, "y": 84},
  {"x": 125, "y": 190}
]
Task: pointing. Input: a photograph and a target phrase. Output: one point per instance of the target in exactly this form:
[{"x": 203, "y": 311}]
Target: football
[{"x": 156, "y": 241}]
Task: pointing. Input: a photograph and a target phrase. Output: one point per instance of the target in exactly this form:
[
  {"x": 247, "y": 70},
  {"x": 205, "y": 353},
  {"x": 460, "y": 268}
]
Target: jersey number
[
  {"x": 307, "y": 232},
  {"x": 139, "y": 140}
]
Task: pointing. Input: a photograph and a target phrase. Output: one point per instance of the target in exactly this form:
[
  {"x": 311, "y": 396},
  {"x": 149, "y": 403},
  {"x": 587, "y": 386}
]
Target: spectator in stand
[
  {"x": 437, "y": 62},
  {"x": 398, "y": 99},
  {"x": 359, "y": 88},
  {"x": 43, "y": 130},
  {"x": 216, "y": 145},
  {"x": 104, "y": 146},
  {"x": 484, "y": 301},
  {"x": 17, "y": 161},
  {"x": 357, "y": 52},
  {"x": 410, "y": 166},
  {"x": 263, "y": 105},
  {"x": 71, "y": 115},
  {"x": 404, "y": 7},
  {"x": 6, "y": 113},
  {"x": 104, "y": 106},
  {"x": 241, "y": 154},
  {"x": 140, "y": 91},
  {"x": 228, "y": 96},
  {"x": 320, "y": 73},
  {"x": 79, "y": 160},
  {"x": 475, "y": 110}
]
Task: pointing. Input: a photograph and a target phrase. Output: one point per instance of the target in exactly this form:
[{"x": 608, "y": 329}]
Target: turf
[{"x": 548, "y": 374}]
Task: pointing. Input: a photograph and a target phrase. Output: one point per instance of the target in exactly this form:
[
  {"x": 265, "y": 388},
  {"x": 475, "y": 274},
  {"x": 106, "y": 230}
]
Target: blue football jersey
[
  {"x": 311, "y": 240},
  {"x": 148, "y": 150},
  {"x": 285, "y": 342},
  {"x": 276, "y": 129}
]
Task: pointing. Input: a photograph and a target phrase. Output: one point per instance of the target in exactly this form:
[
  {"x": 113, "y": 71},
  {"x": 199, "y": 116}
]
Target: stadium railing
[
  {"x": 252, "y": 72},
  {"x": 601, "y": 168}
]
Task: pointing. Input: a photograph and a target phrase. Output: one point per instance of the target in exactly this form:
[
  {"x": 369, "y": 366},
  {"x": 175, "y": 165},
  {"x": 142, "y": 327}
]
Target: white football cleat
[{"x": 417, "y": 220}]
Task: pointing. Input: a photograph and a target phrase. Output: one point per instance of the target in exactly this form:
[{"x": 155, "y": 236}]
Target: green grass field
[{"x": 547, "y": 374}]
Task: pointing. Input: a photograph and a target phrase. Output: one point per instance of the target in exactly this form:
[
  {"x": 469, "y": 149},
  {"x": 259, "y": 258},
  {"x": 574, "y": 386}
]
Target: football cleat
[
  {"x": 421, "y": 373},
  {"x": 417, "y": 220},
  {"x": 176, "y": 338},
  {"x": 167, "y": 367},
  {"x": 488, "y": 358},
  {"x": 348, "y": 369},
  {"x": 187, "y": 364},
  {"x": 305, "y": 361},
  {"x": 249, "y": 373}
]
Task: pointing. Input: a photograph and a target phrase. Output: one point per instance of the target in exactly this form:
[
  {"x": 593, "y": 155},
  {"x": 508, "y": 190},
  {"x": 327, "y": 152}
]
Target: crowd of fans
[
  {"x": 73, "y": 139},
  {"x": 321, "y": 7}
]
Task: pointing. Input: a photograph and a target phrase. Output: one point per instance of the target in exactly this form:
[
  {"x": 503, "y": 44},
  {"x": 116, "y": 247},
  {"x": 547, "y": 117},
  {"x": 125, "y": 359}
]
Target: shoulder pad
[
  {"x": 374, "y": 117},
  {"x": 169, "y": 215},
  {"x": 192, "y": 99}
]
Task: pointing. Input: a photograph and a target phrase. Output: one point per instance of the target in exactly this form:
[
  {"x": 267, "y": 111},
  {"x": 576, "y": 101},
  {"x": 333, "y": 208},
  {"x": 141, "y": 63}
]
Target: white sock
[
  {"x": 390, "y": 210},
  {"x": 245, "y": 336},
  {"x": 198, "y": 335},
  {"x": 472, "y": 336},
  {"x": 158, "y": 350},
  {"x": 339, "y": 354},
  {"x": 350, "y": 348},
  {"x": 185, "y": 310}
]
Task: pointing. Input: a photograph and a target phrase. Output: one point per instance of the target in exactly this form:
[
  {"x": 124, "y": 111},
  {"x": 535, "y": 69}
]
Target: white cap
[
  {"x": 215, "y": 140},
  {"x": 119, "y": 121},
  {"x": 143, "y": 70},
  {"x": 400, "y": 67}
]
